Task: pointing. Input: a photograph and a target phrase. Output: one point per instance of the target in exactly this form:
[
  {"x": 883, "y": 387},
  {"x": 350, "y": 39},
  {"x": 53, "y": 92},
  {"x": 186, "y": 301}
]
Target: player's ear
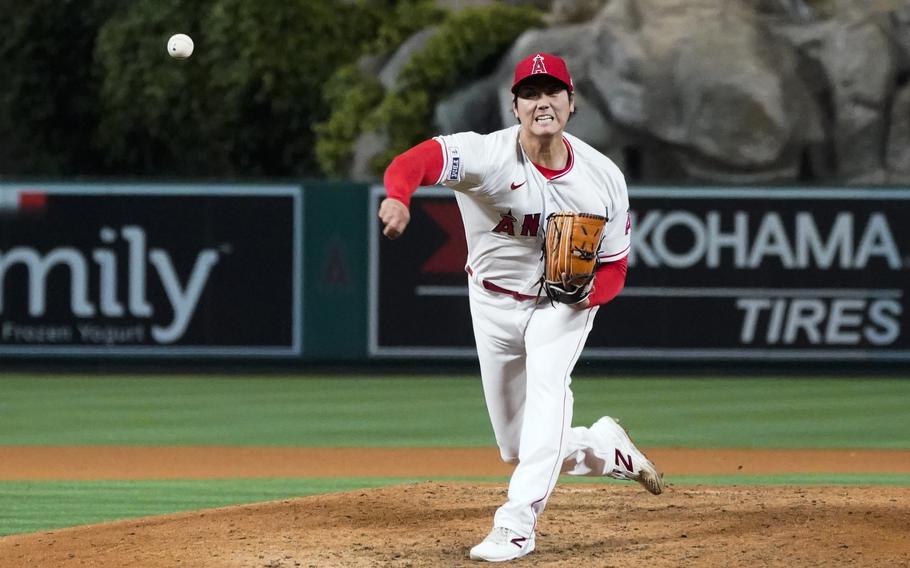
[{"x": 515, "y": 107}]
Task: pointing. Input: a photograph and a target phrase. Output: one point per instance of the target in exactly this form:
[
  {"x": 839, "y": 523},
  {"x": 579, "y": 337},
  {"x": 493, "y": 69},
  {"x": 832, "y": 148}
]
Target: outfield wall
[{"x": 289, "y": 273}]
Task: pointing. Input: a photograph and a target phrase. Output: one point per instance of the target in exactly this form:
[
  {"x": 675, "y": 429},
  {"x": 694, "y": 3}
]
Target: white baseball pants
[{"x": 527, "y": 351}]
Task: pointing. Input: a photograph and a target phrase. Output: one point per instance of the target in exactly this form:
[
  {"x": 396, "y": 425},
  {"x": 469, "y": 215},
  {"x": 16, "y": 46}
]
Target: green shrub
[
  {"x": 352, "y": 96},
  {"x": 86, "y": 88},
  {"x": 48, "y": 92},
  {"x": 273, "y": 58},
  {"x": 467, "y": 45},
  {"x": 397, "y": 20},
  {"x": 152, "y": 106},
  {"x": 243, "y": 105}
]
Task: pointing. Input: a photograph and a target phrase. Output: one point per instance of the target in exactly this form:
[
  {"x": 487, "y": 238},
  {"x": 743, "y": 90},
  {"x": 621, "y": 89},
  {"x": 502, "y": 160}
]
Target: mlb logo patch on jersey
[
  {"x": 456, "y": 167},
  {"x": 456, "y": 164}
]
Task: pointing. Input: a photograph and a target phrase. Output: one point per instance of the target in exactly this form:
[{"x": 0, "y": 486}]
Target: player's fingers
[
  {"x": 394, "y": 226},
  {"x": 391, "y": 232},
  {"x": 385, "y": 215},
  {"x": 395, "y": 217}
]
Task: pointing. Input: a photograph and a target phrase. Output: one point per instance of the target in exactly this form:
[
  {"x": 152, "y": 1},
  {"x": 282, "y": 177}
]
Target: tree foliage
[
  {"x": 48, "y": 87},
  {"x": 87, "y": 88},
  {"x": 152, "y": 107},
  {"x": 467, "y": 45},
  {"x": 353, "y": 94},
  {"x": 243, "y": 105}
]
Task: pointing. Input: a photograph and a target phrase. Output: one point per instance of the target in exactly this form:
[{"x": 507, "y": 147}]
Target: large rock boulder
[
  {"x": 473, "y": 108},
  {"x": 856, "y": 93},
  {"x": 897, "y": 153},
  {"x": 726, "y": 103},
  {"x": 715, "y": 91},
  {"x": 899, "y": 20},
  {"x": 574, "y": 11},
  {"x": 727, "y": 99}
]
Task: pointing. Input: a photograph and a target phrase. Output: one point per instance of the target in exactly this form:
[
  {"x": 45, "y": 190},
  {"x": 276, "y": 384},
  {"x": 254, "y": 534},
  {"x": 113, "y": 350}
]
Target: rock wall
[{"x": 725, "y": 91}]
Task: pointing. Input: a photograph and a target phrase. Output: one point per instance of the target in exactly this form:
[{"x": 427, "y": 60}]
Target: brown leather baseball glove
[{"x": 570, "y": 255}]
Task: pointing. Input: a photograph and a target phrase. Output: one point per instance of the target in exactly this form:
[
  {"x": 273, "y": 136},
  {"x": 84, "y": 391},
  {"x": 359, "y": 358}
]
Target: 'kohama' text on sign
[{"x": 851, "y": 243}]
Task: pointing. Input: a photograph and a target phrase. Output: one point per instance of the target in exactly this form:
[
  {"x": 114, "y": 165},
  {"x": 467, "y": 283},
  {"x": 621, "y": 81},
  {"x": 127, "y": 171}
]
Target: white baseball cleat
[
  {"x": 629, "y": 461},
  {"x": 502, "y": 544}
]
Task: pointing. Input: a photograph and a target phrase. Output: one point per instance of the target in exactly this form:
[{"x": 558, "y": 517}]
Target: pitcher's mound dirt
[{"x": 434, "y": 525}]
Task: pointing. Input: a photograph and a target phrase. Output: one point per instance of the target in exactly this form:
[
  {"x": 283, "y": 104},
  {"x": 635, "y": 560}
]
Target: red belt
[{"x": 494, "y": 288}]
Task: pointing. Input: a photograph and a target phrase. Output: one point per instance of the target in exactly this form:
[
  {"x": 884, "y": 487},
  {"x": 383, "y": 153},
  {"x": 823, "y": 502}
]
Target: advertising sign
[
  {"x": 747, "y": 273},
  {"x": 150, "y": 270}
]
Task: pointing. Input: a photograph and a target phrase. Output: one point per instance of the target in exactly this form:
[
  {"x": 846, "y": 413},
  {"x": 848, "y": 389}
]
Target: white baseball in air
[{"x": 180, "y": 46}]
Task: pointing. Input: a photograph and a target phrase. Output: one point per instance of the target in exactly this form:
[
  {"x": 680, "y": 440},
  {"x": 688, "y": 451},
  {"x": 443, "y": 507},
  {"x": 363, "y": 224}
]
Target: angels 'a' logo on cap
[{"x": 542, "y": 64}]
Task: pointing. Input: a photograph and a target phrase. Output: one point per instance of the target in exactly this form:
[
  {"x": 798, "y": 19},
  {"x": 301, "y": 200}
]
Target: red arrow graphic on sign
[{"x": 451, "y": 256}]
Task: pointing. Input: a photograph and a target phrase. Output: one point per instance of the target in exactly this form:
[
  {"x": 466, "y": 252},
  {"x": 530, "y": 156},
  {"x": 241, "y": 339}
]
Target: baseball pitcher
[{"x": 548, "y": 231}]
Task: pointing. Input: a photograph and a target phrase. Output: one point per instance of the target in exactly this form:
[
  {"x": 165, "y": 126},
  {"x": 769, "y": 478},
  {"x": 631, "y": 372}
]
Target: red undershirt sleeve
[
  {"x": 421, "y": 165},
  {"x": 609, "y": 280}
]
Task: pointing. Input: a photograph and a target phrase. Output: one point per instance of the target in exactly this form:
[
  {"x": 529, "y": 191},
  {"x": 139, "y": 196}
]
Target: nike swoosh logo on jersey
[{"x": 519, "y": 185}]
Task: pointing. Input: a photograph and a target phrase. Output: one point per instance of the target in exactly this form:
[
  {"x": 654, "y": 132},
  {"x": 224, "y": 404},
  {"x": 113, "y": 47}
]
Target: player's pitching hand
[{"x": 394, "y": 216}]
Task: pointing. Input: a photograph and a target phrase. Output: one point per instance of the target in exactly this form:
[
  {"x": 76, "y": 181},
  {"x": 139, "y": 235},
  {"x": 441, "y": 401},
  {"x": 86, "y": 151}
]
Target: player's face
[{"x": 543, "y": 106}]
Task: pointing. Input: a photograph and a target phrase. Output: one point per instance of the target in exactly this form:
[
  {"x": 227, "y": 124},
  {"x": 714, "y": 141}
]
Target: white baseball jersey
[
  {"x": 527, "y": 349},
  {"x": 504, "y": 202}
]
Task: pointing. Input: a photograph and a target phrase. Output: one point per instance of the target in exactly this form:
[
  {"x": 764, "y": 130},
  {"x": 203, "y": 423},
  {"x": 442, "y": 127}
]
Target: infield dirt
[{"x": 434, "y": 524}]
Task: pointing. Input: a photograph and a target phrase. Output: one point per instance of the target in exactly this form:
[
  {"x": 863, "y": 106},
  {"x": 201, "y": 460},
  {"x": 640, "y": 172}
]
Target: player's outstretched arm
[{"x": 421, "y": 165}]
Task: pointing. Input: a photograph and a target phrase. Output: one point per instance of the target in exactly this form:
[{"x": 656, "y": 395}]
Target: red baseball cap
[{"x": 543, "y": 64}]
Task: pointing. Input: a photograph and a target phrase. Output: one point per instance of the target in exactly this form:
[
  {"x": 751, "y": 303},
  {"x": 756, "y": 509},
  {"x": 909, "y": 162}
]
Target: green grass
[
  {"x": 442, "y": 411},
  {"x": 27, "y": 506},
  {"x": 404, "y": 412},
  {"x": 260, "y": 411}
]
